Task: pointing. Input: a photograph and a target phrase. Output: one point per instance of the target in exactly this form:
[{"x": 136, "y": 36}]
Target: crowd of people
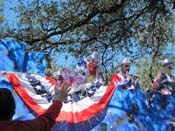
[{"x": 91, "y": 70}]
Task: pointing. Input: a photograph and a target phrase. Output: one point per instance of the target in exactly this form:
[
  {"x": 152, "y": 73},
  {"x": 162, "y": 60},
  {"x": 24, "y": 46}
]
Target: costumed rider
[
  {"x": 123, "y": 79},
  {"x": 91, "y": 69},
  {"x": 165, "y": 81}
]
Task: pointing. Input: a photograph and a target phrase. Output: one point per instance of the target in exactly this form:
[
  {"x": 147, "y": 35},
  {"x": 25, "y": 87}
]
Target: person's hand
[
  {"x": 62, "y": 93},
  {"x": 128, "y": 77},
  {"x": 136, "y": 80},
  {"x": 158, "y": 77}
]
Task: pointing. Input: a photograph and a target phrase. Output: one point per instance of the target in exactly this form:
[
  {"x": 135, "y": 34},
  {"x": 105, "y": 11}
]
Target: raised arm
[{"x": 46, "y": 121}]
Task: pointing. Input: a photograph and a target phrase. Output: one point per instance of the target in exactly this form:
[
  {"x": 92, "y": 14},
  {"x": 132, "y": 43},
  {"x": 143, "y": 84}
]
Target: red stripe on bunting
[
  {"x": 90, "y": 111},
  {"x": 51, "y": 80},
  {"x": 15, "y": 82}
]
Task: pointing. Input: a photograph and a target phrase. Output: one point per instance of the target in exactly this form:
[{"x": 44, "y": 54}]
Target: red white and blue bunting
[{"x": 87, "y": 105}]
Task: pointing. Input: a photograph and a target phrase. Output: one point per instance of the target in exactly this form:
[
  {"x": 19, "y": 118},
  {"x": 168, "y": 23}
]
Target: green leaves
[{"x": 134, "y": 28}]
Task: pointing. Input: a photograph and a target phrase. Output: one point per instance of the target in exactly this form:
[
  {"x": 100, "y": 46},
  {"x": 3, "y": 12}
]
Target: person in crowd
[
  {"x": 123, "y": 78},
  {"x": 164, "y": 82},
  {"x": 43, "y": 122}
]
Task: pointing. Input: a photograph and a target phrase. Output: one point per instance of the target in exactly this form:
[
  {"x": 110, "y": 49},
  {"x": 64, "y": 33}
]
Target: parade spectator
[{"x": 43, "y": 122}]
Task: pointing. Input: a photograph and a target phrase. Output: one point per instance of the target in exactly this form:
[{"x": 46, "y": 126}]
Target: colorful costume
[
  {"x": 123, "y": 79},
  {"x": 120, "y": 80},
  {"x": 164, "y": 83},
  {"x": 93, "y": 73},
  {"x": 91, "y": 69}
]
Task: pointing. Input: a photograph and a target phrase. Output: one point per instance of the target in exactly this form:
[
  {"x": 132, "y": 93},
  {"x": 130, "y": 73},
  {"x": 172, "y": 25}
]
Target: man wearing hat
[
  {"x": 165, "y": 81},
  {"x": 91, "y": 69},
  {"x": 123, "y": 78}
]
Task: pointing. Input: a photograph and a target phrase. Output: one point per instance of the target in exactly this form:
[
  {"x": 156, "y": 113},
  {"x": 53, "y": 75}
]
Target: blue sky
[{"x": 10, "y": 16}]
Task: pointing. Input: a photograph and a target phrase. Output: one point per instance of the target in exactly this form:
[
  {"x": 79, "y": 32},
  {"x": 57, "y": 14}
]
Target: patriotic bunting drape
[{"x": 84, "y": 106}]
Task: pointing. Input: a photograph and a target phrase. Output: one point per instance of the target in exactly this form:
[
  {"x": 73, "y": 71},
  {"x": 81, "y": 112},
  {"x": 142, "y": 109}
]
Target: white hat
[
  {"x": 136, "y": 75},
  {"x": 95, "y": 56},
  {"x": 166, "y": 62},
  {"x": 125, "y": 61}
]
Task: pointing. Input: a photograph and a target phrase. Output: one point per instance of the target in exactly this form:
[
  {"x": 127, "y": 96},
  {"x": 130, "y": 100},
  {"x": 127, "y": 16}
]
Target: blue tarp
[{"x": 15, "y": 58}]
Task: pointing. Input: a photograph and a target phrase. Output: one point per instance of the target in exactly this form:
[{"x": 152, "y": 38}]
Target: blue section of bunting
[{"x": 80, "y": 126}]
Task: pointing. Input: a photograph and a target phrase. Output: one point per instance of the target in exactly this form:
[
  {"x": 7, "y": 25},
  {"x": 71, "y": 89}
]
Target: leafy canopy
[{"x": 132, "y": 28}]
